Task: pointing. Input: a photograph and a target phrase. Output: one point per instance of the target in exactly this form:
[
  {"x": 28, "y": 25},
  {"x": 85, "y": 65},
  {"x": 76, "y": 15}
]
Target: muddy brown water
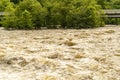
[{"x": 86, "y": 54}]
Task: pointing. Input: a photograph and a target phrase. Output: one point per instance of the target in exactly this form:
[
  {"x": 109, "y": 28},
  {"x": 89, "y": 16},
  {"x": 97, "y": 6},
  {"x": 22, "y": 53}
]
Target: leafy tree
[
  {"x": 59, "y": 14},
  {"x": 116, "y": 4},
  {"x": 86, "y": 14},
  {"x": 3, "y": 4},
  {"x": 9, "y": 20},
  {"x": 25, "y": 20},
  {"x": 34, "y": 7}
]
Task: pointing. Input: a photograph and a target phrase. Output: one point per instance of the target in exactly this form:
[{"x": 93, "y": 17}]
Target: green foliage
[
  {"x": 110, "y": 4},
  {"x": 4, "y": 4},
  {"x": 25, "y": 20},
  {"x": 105, "y": 4},
  {"x": 36, "y": 10},
  {"x": 33, "y": 14},
  {"x": 9, "y": 20},
  {"x": 86, "y": 14},
  {"x": 112, "y": 21},
  {"x": 116, "y": 4}
]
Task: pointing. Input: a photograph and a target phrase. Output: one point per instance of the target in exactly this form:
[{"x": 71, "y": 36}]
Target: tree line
[
  {"x": 34, "y": 14},
  {"x": 110, "y": 4}
]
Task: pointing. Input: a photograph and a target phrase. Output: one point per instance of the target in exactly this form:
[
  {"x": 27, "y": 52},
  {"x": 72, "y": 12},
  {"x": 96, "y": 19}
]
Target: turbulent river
[{"x": 84, "y": 54}]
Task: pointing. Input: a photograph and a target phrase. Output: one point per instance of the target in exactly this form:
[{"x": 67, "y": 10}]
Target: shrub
[{"x": 25, "y": 20}]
